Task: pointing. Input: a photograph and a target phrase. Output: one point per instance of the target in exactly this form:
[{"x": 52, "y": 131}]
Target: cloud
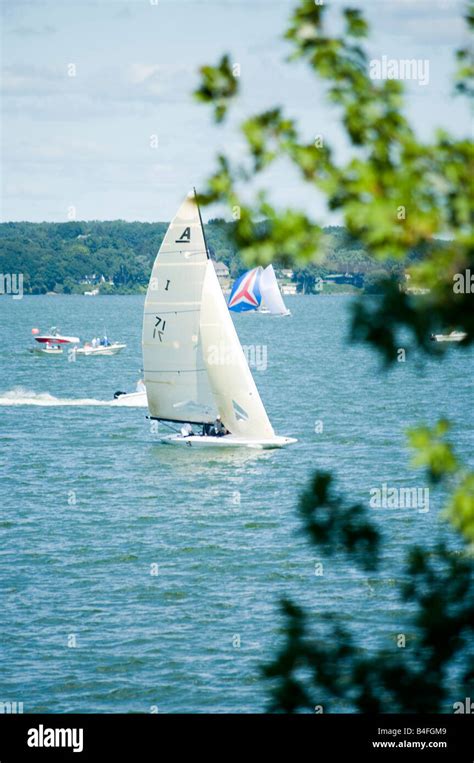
[
  {"x": 139, "y": 73},
  {"x": 25, "y": 79},
  {"x": 33, "y": 31},
  {"x": 87, "y": 138}
]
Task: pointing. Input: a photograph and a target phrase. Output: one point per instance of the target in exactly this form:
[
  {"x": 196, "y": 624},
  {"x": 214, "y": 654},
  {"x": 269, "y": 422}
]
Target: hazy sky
[{"x": 84, "y": 141}]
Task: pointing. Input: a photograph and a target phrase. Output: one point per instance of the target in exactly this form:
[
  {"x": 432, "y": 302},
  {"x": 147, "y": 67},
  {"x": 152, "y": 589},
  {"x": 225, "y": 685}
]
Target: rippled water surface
[{"x": 156, "y": 561}]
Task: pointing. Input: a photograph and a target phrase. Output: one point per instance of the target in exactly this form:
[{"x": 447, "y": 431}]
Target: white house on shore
[{"x": 222, "y": 273}]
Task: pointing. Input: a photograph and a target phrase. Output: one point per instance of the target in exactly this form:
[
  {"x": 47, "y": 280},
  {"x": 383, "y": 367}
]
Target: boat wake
[{"x": 22, "y": 396}]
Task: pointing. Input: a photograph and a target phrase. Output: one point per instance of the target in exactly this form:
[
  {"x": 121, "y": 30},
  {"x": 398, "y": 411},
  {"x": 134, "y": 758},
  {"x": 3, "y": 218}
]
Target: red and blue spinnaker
[{"x": 245, "y": 294}]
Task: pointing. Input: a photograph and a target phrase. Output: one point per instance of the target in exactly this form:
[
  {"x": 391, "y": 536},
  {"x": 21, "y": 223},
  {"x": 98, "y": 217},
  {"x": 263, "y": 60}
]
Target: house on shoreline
[{"x": 222, "y": 273}]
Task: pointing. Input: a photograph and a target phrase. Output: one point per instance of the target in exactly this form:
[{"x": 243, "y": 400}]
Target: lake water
[{"x": 135, "y": 575}]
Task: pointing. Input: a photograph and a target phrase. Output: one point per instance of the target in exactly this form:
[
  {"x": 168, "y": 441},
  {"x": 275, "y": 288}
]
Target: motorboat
[
  {"x": 99, "y": 347},
  {"x": 453, "y": 336},
  {"x": 52, "y": 343},
  {"x": 137, "y": 399}
]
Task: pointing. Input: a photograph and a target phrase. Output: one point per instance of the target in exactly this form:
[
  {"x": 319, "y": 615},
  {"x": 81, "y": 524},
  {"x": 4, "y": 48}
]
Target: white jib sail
[
  {"x": 175, "y": 373},
  {"x": 234, "y": 389},
  {"x": 271, "y": 292}
]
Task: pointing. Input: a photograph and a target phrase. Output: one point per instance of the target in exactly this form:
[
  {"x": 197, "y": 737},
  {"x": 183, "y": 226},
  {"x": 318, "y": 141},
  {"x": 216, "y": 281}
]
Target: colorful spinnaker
[
  {"x": 245, "y": 294},
  {"x": 257, "y": 289}
]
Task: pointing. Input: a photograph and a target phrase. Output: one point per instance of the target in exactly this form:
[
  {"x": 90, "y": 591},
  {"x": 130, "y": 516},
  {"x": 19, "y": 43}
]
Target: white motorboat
[
  {"x": 52, "y": 343},
  {"x": 131, "y": 399},
  {"x": 185, "y": 319},
  {"x": 99, "y": 347},
  {"x": 453, "y": 336},
  {"x": 137, "y": 399},
  {"x": 46, "y": 349}
]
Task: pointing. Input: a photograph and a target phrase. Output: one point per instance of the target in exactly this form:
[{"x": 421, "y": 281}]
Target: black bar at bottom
[{"x": 159, "y": 737}]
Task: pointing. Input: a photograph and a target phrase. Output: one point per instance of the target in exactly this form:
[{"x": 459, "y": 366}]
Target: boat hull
[
  {"x": 454, "y": 336},
  {"x": 228, "y": 441},
  {"x": 131, "y": 400},
  {"x": 46, "y": 350},
  {"x": 113, "y": 349}
]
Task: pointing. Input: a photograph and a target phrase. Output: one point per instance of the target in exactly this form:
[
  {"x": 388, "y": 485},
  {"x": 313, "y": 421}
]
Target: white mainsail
[
  {"x": 270, "y": 292},
  {"x": 175, "y": 373},
  {"x": 194, "y": 366}
]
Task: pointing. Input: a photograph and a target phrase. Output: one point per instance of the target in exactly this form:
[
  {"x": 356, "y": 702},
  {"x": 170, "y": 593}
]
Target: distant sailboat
[
  {"x": 271, "y": 294},
  {"x": 257, "y": 290},
  {"x": 194, "y": 366}
]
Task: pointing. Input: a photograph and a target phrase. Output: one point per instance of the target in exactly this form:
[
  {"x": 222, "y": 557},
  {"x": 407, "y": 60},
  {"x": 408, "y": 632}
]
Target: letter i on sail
[{"x": 195, "y": 370}]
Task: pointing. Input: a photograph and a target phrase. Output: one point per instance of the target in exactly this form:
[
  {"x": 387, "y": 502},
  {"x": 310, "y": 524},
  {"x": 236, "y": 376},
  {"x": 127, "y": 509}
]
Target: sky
[{"x": 81, "y": 145}]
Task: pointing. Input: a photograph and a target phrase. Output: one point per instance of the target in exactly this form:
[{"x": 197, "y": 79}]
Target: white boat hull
[
  {"x": 112, "y": 349},
  {"x": 227, "y": 441},
  {"x": 266, "y": 311},
  {"x": 46, "y": 350},
  {"x": 132, "y": 400},
  {"x": 454, "y": 336}
]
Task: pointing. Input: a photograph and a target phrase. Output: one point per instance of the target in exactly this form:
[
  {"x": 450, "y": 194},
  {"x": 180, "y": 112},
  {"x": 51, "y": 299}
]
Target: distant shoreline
[{"x": 143, "y": 293}]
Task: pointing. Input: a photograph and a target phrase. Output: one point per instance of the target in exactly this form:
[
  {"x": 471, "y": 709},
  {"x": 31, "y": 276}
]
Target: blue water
[{"x": 91, "y": 506}]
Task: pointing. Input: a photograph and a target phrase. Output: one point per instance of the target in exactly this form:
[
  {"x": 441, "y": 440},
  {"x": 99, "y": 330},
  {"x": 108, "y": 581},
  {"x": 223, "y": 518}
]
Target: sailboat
[
  {"x": 271, "y": 294},
  {"x": 258, "y": 290},
  {"x": 194, "y": 367}
]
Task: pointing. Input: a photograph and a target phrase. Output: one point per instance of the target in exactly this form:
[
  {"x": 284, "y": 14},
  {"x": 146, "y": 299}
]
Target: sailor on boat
[{"x": 218, "y": 429}]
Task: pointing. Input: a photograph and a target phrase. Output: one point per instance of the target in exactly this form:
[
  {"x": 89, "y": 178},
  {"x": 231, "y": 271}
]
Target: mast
[{"x": 202, "y": 225}]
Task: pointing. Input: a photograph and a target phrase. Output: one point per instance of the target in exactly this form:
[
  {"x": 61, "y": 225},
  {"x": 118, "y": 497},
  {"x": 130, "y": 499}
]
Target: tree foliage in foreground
[{"x": 396, "y": 194}]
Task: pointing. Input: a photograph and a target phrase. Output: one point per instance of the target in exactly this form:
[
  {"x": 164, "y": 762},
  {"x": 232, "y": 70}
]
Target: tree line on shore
[{"x": 71, "y": 257}]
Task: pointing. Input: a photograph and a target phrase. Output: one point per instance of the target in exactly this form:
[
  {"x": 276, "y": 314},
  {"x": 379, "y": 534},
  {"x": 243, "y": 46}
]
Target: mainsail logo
[
  {"x": 46, "y": 737},
  {"x": 185, "y": 237},
  {"x": 240, "y": 413}
]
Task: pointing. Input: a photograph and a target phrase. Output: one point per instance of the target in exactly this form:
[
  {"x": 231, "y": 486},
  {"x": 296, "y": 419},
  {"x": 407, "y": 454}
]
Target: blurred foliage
[
  {"x": 436, "y": 455},
  {"x": 218, "y": 86},
  {"x": 396, "y": 195},
  {"x": 331, "y": 524},
  {"x": 320, "y": 667}
]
